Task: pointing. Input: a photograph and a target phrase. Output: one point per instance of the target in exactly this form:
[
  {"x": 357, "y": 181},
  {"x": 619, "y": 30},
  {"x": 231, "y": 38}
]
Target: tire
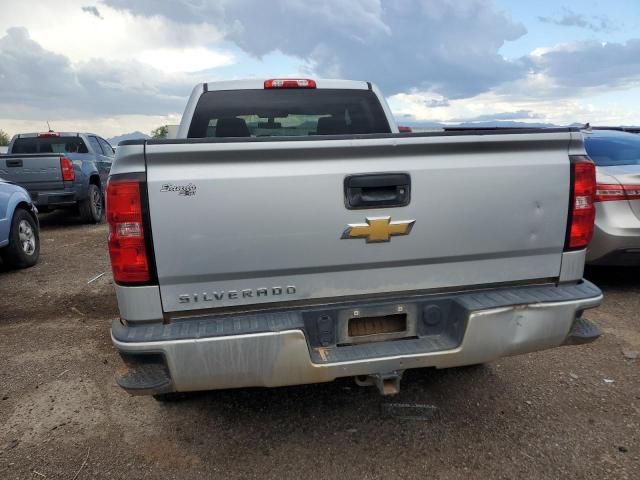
[
  {"x": 92, "y": 208},
  {"x": 24, "y": 241}
]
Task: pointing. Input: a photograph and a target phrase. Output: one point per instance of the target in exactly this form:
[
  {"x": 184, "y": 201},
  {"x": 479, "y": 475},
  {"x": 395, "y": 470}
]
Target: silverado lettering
[{"x": 235, "y": 294}]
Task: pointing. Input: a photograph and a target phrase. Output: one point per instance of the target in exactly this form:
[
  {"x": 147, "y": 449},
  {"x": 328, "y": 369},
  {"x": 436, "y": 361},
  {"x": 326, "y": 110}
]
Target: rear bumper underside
[
  {"x": 302, "y": 346},
  {"x": 57, "y": 198}
]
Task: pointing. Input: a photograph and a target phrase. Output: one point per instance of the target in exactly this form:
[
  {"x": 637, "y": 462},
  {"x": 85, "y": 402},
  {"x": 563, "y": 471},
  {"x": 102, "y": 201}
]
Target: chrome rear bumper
[{"x": 278, "y": 358}]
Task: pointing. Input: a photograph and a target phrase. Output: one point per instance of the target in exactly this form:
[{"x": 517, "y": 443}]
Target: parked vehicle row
[
  {"x": 44, "y": 172},
  {"x": 293, "y": 233},
  {"x": 61, "y": 170},
  {"x": 31, "y": 163}
]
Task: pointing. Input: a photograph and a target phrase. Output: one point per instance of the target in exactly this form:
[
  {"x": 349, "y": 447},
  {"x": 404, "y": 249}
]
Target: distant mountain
[
  {"x": 504, "y": 124},
  {"x": 128, "y": 136},
  {"x": 416, "y": 124}
]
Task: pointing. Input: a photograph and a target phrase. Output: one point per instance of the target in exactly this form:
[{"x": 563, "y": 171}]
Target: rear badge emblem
[
  {"x": 378, "y": 229},
  {"x": 182, "y": 190}
]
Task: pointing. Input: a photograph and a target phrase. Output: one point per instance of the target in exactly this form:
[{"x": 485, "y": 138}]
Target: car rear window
[
  {"x": 287, "y": 112},
  {"x": 49, "y": 145},
  {"x": 617, "y": 149}
]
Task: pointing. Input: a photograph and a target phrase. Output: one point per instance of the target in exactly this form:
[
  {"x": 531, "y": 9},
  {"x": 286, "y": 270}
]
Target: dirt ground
[{"x": 572, "y": 412}]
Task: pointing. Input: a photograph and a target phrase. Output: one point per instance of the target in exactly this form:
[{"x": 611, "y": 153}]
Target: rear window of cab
[
  {"x": 287, "y": 112},
  {"x": 49, "y": 145}
]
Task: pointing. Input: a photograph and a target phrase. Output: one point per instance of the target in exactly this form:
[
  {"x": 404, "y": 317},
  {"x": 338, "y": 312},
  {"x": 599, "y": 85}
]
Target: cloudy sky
[{"x": 114, "y": 66}]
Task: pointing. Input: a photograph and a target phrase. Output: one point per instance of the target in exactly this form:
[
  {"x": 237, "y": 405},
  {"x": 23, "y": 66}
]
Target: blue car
[{"x": 19, "y": 227}]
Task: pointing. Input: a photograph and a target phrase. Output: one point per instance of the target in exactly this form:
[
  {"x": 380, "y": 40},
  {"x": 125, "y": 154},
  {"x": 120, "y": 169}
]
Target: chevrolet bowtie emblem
[{"x": 379, "y": 229}]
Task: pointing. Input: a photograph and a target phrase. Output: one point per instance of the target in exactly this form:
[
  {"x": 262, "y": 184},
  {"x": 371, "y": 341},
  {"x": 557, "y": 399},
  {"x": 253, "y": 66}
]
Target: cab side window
[
  {"x": 95, "y": 146},
  {"x": 106, "y": 147}
]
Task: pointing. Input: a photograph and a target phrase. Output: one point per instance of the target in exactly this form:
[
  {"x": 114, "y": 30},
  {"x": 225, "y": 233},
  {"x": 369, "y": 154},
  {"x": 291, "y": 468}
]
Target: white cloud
[
  {"x": 42, "y": 83},
  {"x": 127, "y": 65},
  {"x": 105, "y": 126},
  {"x": 492, "y": 106},
  {"x": 65, "y": 27},
  {"x": 176, "y": 60},
  {"x": 590, "y": 64},
  {"x": 570, "y": 18},
  {"x": 450, "y": 46}
]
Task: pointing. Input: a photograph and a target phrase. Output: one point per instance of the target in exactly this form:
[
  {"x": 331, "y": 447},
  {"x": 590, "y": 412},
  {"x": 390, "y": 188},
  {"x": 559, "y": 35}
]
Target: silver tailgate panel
[{"x": 488, "y": 208}]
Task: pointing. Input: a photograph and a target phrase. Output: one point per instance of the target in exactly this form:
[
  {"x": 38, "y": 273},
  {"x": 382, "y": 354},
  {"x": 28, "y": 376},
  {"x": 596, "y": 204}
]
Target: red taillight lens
[
  {"x": 127, "y": 246},
  {"x": 290, "y": 83},
  {"x": 582, "y": 212},
  {"x": 611, "y": 192},
  {"x": 403, "y": 129},
  {"x": 66, "y": 166},
  {"x": 48, "y": 134},
  {"x": 632, "y": 192}
]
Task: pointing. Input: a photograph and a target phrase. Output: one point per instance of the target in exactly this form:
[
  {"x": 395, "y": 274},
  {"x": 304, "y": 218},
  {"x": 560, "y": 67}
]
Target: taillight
[
  {"x": 48, "y": 134},
  {"x": 582, "y": 212},
  {"x": 403, "y": 129},
  {"x": 610, "y": 192},
  {"x": 289, "y": 83},
  {"x": 66, "y": 166},
  {"x": 127, "y": 246}
]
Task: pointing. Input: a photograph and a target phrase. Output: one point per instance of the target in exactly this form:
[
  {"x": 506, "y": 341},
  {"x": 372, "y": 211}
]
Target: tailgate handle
[
  {"x": 378, "y": 190},
  {"x": 14, "y": 163}
]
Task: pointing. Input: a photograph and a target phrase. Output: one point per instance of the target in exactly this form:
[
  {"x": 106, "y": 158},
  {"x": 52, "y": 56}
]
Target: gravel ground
[{"x": 570, "y": 412}]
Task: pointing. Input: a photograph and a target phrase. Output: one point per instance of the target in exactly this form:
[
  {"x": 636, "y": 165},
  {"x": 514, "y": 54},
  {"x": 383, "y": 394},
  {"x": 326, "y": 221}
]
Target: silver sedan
[{"x": 616, "y": 237}]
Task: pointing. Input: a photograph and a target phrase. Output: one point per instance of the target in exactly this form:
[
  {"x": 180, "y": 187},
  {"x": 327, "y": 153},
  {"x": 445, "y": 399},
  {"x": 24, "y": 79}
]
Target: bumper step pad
[
  {"x": 583, "y": 331},
  {"x": 144, "y": 374}
]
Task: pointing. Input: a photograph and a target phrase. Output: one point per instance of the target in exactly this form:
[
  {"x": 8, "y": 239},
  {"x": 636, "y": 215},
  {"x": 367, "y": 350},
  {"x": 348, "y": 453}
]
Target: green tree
[
  {"x": 160, "y": 132},
  {"x": 4, "y": 138}
]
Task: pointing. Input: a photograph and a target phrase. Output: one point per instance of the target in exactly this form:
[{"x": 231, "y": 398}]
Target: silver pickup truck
[{"x": 291, "y": 235}]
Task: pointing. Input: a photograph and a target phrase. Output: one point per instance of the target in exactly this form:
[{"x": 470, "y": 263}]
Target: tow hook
[{"x": 387, "y": 383}]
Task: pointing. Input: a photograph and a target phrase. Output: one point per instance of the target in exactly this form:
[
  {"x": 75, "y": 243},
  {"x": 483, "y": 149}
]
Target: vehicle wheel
[
  {"x": 92, "y": 208},
  {"x": 24, "y": 241}
]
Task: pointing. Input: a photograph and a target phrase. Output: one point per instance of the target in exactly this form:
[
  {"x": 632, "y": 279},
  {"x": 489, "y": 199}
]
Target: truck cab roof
[
  {"x": 258, "y": 84},
  {"x": 52, "y": 133},
  {"x": 304, "y": 90}
]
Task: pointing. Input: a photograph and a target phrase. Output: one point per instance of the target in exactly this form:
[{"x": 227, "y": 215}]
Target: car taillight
[
  {"x": 66, "y": 166},
  {"x": 582, "y": 212},
  {"x": 48, "y": 134},
  {"x": 610, "y": 192},
  {"x": 127, "y": 246},
  {"x": 290, "y": 83},
  {"x": 404, "y": 129}
]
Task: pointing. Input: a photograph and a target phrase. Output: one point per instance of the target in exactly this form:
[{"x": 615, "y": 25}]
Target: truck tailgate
[
  {"x": 34, "y": 172},
  {"x": 239, "y": 223}
]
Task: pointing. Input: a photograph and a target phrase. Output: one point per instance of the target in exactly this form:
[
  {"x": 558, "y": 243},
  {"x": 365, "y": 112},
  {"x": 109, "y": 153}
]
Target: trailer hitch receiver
[{"x": 387, "y": 383}]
